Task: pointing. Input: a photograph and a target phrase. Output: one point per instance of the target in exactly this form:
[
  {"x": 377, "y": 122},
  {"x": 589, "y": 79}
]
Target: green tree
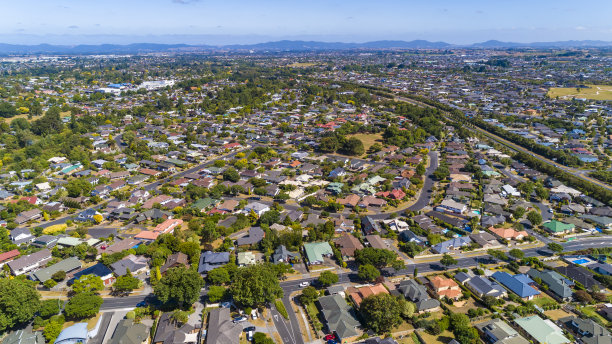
[
  {"x": 353, "y": 146},
  {"x": 378, "y": 257},
  {"x": 261, "y": 338},
  {"x": 19, "y": 301},
  {"x": 309, "y": 295},
  {"x": 518, "y": 212},
  {"x": 368, "y": 272},
  {"x": 448, "y": 260},
  {"x": 49, "y": 308},
  {"x": 420, "y": 169},
  {"x": 381, "y": 312},
  {"x": 179, "y": 285},
  {"x": 555, "y": 247},
  {"x": 87, "y": 283},
  {"x": 534, "y": 217},
  {"x": 516, "y": 253},
  {"x": 255, "y": 286},
  {"x": 218, "y": 276},
  {"x": 329, "y": 144},
  {"x": 126, "y": 284},
  {"x": 53, "y": 329},
  {"x": 216, "y": 293},
  {"x": 231, "y": 175},
  {"x": 327, "y": 278},
  {"x": 83, "y": 305},
  {"x": 59, "y": 276}
]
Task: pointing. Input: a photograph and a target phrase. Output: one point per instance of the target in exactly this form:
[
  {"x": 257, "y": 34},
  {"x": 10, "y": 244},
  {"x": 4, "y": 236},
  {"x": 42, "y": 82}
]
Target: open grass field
[
  {"x": 544, "y": 300},
  {"x": 368, "y": 139},
  {"x": 302, "y": 64},
  {"x": 594, "y": 92},
  {"x": 591, "y": 311},
  {"x": 557, "y": 314},
  {"x": 443, "y": 338}
]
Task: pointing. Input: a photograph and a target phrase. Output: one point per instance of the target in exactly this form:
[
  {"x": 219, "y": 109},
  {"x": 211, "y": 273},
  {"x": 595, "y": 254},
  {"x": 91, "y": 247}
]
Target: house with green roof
[
  {"x": 317, "y": 251},
  {"x": 204, "y": 203},
  {"x": 335, "y": 188},
  {"x": 66, "y": 265},
  {"x": 543, "y": 331},
  {"x": 558, "y": 228}
]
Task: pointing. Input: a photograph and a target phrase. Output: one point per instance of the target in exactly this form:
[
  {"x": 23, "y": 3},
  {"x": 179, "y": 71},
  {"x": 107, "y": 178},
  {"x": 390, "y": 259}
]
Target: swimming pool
[
  {"x": 581, "y": 261},
  {"x": 477, "y": 212}
]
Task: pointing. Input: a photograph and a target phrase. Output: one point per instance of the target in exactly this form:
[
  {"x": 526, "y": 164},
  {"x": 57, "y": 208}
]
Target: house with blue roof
[
  {"x": 451, "y": 245},
  {"x": 337, "y": 172},
  {"x": 76, "y": 333},
  {"x": 518, "y": 284},
  {"x": 99, "y": 270}
]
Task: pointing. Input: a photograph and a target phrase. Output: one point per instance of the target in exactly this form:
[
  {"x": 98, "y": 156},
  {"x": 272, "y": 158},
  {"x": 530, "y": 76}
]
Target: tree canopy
[
  {"x": 19, "y": 301},
  {"x": 382, "y": 312},
  {"x": 179, "y": 285},
  {"x": 255, "y": 286}
]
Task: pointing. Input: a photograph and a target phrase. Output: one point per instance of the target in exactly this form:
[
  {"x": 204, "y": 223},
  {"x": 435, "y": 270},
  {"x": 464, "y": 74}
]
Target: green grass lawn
[
  {"x": 544, "y": 301},
  {"x": 595, "y": 92},
  {"x": 590, "y": 311}
]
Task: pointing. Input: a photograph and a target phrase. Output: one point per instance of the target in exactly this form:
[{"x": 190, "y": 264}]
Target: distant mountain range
[{"x": 278, "y": 46}]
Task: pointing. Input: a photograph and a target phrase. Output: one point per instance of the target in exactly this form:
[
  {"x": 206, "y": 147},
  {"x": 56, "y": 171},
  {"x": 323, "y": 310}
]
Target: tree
[
  {"x": 261, "y": 338},
  {"x": 126, "y": 284},
  {"x": 441, "y": 173},
  {"x": 541, "y": 192},
  {"x": 218, "y": 276},
  {"x": 83, "y": 305},
  {"x": 327, "y": 278},
  {"x": 309, "y": 295},
  {"x": 381, "y": 312},
  {"x": 583, "y": 296},
  {"x": 179, "y": 285},
  {"x": 255, "y": 286},
  {"x": 329, "y": 144},
  {"x": 231, "y": 175},
  {"x": 59, "y": 276},
  {"x": 555, "y": 247},
  {"x": 408, "y": 309},
  {"x": 378, "y": 257},
  {"x": 516, "y": 253},
  {"x": 216, "y": 293},
  {"x": 19, "y": 301},
  {"x": 87, "y": 283},
  {"x": 518, "y": 212},
  {"x": 534, "y": 217},
  {"x": 353, "y": 146},
  {"x": 420, "y": 169},
  {"x": 448, "y": 260},
  {"x": 53, "y": 329},
  {"x": 49, "y": 308},
  {"x": 368, "y": 272},
  {"x": 98, "y": 218}
]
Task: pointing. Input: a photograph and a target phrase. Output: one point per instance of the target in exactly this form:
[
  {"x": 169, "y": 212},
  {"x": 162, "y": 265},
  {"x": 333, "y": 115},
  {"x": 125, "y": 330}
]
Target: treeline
[
  {"x": 586, "y": 187},
  {"x": 604, "y": 176},
  {"x": 560, "y": 156}
]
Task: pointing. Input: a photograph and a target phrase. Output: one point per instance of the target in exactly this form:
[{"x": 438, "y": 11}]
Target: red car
[{"x": 330, "y": 337}]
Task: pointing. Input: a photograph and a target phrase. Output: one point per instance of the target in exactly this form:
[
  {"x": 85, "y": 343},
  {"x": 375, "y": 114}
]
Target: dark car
[
  {"x": 142, "y": 304},
  {"x": 240, "y": 319},
  {"x": 250, "y": 328}
]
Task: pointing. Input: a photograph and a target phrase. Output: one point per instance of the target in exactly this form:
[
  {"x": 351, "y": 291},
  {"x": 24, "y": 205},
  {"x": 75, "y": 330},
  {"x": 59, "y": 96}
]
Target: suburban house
[
  {"x": 362, "y": 292},
  {"x": 283, "y": 255},
  {"x": 128, "y": 332},
  {"x": 30, "y": 262},
  {"x": 168, "y": 226},
  {"x": 221, "y": 328},
  {"x": 587, "y": 330},
  {"x": 28, "y": 215},
  {"x": 415, "y": 292},
  {"x": 175, "y": 260},
  {"x": 210, "y": 260},
  {"x": 348, "y": 244},
  {"x": 449, "y": 205},
  {"x": 8, "y": 256},
  {"x": 558, "y": 228},
  {"x": 338, "y": 316},
  {"x": 136, "y": 265},
  {"x": 451, "y": 245},
  {"x": 496, "y": 331},
  {"x": 167, "y": 332},
  {"x": 21, "y": 236},
  {"x": 482, "y": 286},
  {"x": 99, "y": 270},
  {"x": 257, "y": 208},
  {"x": 317, "y": 251},
  {"x": 67, "y": 265},
  {"x": 254, "y": 236},
  {"x": 557, "y": 284},
  {"x": 445, "y": 287},
  {"x": 518, "y": 284},
  {"x": 543, "y": 331},
  {"x": 508, "y": 233}
]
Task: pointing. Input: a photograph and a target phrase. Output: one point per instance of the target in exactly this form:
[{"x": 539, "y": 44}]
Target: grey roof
[
  {"x": 417, "y": 293},
  {"x": 589, "y": 331},
  {"x": 497, "y": 331},
  {"x": 485, "y": 286},
  {"x": 256, "y": 234},
  {"x": 65, "y": 265},
  {"x": 337, "y": 315},
  {"x": 130, "y": 262},
  {"x": 127, "y": 332},
  {"x": 24, "y": 337},
  {"x": 281, "y": 254},
  {"x": 28, "y": 260},
  {"x": 210, "y": 260},
  {"x": 556, "y": 283},
  {"x": 168, "y": 333},
  {"x": 221, "y": 329},
  {"x": 454, "y": 243}
]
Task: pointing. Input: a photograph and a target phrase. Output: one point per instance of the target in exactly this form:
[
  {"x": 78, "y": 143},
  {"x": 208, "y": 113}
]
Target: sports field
[{"x": 594, "y": 92}]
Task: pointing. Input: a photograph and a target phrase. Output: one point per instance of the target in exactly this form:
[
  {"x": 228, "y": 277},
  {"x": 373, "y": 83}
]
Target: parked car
[
  {"x": 330, "y": 337},
  {"x": 240, "y": 319},
  {"x": 141, "y": 304},
  {"x": 254, "y": 314},
  {"x": 304, "y": 284},
  {"x": 250, "y": 336},
  {"x": 250, "y": 328}
]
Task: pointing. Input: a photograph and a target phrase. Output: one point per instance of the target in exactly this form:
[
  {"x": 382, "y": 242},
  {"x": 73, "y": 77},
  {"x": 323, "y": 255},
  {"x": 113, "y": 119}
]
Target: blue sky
[{"x": 247, "y": 21}]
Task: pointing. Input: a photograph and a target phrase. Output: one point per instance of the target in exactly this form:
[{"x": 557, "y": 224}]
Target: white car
[{"x": 304, "y": 284}]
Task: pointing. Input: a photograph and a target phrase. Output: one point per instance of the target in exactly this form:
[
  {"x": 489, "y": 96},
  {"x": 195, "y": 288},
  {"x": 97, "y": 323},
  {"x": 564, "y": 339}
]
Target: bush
[
  {"x": 280, "y": 307},
  {"x": 55, "y": 229}
]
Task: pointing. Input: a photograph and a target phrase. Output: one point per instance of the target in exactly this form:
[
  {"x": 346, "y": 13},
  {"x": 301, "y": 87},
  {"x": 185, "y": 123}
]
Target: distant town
[{"x": 378, "y": 196}]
